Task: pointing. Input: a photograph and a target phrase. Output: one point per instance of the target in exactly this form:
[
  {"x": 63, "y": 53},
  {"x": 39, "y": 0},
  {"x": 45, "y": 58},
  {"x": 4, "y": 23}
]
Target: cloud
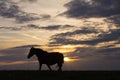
[
  {"x": 32, "y": 26},
  {"x": 31, "y": 1},
  {"x": 50, "y": 27},
  {"x": 109, "y": 50},
  {"x": 96, "y": 58},
  {"x": 83, "y": 52},
  {"x": 115, "y": 20},
  {"x": 45, "y": 16},
  {"x": 11, "y": 28},
  {"x": 25, "y": 17},
  {"x": 108, "y": 9},
  {"x": 12, "y": 10},
  {"x": 92, "y": 8},
  {"x": 16, "y": 58},
  {"x": 105, "y": 53},
  {"x": 14, "y": 54},
  {"x": 112, "y": 36},
  {"x": 81, "y": 31},
  {"x": 27, "y": 27},
  {"x": 69, "y": 37},
  {"x": 56, "y": 27},
  {"x": 65, "y": 38}
]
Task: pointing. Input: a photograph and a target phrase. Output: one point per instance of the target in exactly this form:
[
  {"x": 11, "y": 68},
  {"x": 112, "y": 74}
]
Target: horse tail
[
  {"x": 62, "y": 61},
  {"x": 61, "y": 58}
]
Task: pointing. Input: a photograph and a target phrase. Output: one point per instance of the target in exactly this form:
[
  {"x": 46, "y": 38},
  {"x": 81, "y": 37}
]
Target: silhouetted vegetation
[{"x": 55, "y": 75}]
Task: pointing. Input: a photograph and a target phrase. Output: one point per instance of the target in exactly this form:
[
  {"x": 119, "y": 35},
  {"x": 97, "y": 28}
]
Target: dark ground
[{"x": 64, "y": 75}]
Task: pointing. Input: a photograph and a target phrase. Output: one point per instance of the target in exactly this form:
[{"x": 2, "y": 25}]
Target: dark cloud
[
  {"x": 81, "y": 31},
  {"x": 112, "y": 36},
  {"x": 115, "y": 20},
  {"x": 18, "y": 53},
  {"x": 49, "y": 27},
  {"x": 11, "y": 10},
  {"x": 53, "y": 27},
  {"x": 25, "y": 17},
  {"x": 57, "y": 27},
  {"x": 16, "y": 58},
  {"x": 105, "y": 53},
  {"x": 8, "y": 10},
  {"x": 110, "y": 53},
  {"x": 63, "y": 38},
  {"x": 108, "y": 9},
  {"x": 27, "y": 27},
  {"x": 13, "y": 54},
  {"x": 11, "y": 28},
  {"x": 110, "y": 50},
  {"x": 32, "y": 26},
  {"x": 29, "y": 1},
  {"x": 92, "y": 8},
  {"x": 45, "y": 16},
  {"x": 83, "y": 52}
]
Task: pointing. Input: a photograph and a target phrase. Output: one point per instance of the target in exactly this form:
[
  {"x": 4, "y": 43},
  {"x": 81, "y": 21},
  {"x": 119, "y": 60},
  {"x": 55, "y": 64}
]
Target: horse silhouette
[{"x": 47, "y": 58}]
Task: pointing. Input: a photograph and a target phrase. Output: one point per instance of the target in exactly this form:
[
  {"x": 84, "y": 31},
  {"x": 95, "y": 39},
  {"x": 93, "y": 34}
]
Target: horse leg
[
  {"x": 60, "y": 66},
  {"x": 49, "y": 67},
  {"x": 40, "y": 65}
]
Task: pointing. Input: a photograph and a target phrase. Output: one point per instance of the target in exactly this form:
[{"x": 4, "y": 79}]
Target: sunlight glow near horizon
[
  {"x": 62, "y": 49},
  {"x": 71, "y": 59},
  {"x": 67, "y": 59}
]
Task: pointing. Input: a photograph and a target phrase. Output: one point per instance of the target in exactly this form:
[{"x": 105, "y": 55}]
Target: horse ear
[{"x": 32, "y": 47}]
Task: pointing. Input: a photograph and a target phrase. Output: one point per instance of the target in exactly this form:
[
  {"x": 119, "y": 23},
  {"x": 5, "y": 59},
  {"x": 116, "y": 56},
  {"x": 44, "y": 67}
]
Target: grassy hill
[{"x": 64, "y": 75}]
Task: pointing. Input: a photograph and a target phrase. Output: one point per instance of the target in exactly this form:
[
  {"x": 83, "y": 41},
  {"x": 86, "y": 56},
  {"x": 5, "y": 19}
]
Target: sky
[{"x": 85, "y": 31}]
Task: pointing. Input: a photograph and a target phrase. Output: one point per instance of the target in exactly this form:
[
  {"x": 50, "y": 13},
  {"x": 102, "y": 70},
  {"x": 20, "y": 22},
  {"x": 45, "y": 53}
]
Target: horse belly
[
  {"x": 52, "y": 59},
  {"x": 48, "y": 61}
]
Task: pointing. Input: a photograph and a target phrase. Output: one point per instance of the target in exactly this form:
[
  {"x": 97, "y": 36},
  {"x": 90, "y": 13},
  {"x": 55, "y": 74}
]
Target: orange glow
[
  {"x": 67, "y": 46},
  {"x": 67, "y": 59},
  {"x": 64, "y": 49}
]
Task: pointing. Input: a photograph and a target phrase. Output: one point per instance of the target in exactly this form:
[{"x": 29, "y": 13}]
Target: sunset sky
[{"x": 87, "y": 32}]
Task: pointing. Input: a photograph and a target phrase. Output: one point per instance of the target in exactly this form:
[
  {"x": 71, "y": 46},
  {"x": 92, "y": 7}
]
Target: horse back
[
  {"x": 56, "y": 55},
  {"x": 52, "y": 58}
]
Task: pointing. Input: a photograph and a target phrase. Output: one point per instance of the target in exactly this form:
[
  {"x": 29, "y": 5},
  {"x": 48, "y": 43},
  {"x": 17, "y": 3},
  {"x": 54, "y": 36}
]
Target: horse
[{"x": 48, "y": 58}]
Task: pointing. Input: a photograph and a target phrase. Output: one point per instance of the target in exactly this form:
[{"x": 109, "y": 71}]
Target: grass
[{"x": 54, "y": 75}]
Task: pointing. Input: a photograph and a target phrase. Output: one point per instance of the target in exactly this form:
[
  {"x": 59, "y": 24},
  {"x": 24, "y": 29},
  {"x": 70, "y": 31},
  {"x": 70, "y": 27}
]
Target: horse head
[{"x": 31, "y": 52}]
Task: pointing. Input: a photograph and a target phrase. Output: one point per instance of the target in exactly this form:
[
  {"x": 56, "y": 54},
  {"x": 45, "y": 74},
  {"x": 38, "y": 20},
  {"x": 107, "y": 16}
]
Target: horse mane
[{"x": 43, "y": 51}]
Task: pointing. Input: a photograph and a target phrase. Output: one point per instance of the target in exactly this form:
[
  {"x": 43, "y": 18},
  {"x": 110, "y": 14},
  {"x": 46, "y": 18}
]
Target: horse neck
[{"x": 40, "y": 54}]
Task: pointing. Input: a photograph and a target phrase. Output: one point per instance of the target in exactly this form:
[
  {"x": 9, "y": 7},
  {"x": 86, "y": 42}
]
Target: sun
[{"x": 67, "y": 59}]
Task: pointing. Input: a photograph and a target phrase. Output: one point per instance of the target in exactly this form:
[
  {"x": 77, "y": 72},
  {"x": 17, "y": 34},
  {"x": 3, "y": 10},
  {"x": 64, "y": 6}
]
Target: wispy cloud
[
  {"x": 11, "y": 28},
  {"x": 74, "y": 37},
  {"x": 32, "y": 1},
  {"x": 37, "y": 27},
  {"x": 57, "y": 27},
  {"x": 10, "y": 9}
]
